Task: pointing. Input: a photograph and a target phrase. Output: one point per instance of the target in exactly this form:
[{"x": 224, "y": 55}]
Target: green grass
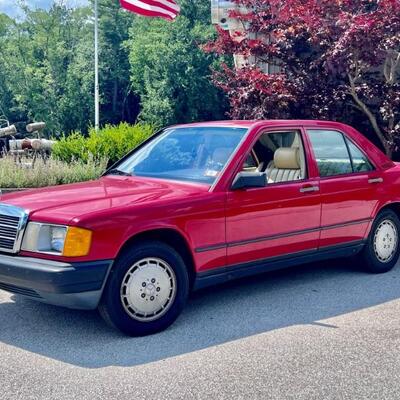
[{"x": 53, "y": 172}]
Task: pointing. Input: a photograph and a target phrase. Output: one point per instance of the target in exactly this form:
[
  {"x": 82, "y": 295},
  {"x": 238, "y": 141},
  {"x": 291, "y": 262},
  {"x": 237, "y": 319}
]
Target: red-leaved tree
[{"x": 333, "y": 56}]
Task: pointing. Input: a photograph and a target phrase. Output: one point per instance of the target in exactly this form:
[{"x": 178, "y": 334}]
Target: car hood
[{"x": 62, "y": 204}]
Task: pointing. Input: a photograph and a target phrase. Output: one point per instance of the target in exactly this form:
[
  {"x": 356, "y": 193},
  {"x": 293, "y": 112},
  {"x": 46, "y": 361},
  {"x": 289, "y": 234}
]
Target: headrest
[{"x": 287, "y": 158}]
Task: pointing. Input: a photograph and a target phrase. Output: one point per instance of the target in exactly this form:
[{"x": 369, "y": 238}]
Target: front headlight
[{"x": 67, "y": 241}]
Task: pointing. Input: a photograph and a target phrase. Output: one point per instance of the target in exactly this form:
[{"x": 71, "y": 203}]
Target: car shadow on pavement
[{"x": 298, "y": 296}]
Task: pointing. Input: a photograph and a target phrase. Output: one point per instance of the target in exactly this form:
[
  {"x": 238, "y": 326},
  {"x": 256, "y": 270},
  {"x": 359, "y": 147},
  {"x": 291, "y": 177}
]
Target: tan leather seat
[{"x": 285, "y": 166}]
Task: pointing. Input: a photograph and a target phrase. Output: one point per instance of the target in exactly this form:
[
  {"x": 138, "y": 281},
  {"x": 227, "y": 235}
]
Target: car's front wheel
[
  {"x": 147, "y": 289},
  {"x": 382, "y": 250}
]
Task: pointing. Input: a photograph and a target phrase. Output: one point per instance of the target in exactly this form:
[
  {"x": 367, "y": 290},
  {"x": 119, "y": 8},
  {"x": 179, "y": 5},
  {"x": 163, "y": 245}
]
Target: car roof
[{"x": 265, "y": 123}]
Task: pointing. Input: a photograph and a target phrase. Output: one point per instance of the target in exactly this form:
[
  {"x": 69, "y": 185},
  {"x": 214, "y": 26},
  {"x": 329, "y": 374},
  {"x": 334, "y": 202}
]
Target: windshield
[{"x": 189, "y": 154}]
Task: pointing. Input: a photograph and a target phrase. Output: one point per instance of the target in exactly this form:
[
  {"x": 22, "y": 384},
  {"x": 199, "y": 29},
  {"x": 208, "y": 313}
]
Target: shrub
[
  {"x": 53, "y": 172},
  {"x": 111, "y": 142}
]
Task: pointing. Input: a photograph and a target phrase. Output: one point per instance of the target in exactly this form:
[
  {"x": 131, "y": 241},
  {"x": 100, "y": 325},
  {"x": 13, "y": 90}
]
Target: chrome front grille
[
  {"x": 12, "y": 223},
  {"x": 8, "y": 231}
]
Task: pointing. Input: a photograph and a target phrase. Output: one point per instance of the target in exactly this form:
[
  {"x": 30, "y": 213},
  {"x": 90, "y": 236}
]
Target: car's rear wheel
[
  {"x": 382, "y": 249},
  {"x": 147, "y": 289}
]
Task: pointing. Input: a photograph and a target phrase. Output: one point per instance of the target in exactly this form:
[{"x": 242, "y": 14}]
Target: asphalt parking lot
[{"x": 322, "y": 331}]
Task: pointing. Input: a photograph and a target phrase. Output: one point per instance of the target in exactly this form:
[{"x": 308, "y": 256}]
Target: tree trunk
[{"x": 371, "y": 117}]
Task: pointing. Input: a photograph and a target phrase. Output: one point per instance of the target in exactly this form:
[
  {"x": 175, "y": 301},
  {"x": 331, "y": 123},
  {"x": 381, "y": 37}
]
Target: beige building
[{"x": 220, "y": 10}]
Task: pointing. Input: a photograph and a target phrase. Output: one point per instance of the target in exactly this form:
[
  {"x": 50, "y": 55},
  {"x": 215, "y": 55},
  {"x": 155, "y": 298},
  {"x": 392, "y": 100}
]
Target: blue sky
[{"x": 10, "y": 7}]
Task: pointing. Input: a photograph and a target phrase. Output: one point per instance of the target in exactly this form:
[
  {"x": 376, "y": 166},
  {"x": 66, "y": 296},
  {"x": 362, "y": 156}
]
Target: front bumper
[{"x": 73, "y": 285}]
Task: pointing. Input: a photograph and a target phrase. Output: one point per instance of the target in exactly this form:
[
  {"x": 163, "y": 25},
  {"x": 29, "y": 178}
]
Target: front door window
[{"x": 280, "y": 155}]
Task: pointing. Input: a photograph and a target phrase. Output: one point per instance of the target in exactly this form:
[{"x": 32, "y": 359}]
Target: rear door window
[
  {"x": 331, "y": 152},
  {"x": 336, "y": 154}
]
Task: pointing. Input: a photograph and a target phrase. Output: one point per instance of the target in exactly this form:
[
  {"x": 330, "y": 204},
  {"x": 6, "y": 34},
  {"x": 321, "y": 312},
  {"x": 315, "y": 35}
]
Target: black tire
[
  {"x": 370, "y": 260},
  {"x": 114, "y": 312}
]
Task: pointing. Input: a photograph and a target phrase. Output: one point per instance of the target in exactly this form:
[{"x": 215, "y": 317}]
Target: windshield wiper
[{"x": 116, "y": 171}]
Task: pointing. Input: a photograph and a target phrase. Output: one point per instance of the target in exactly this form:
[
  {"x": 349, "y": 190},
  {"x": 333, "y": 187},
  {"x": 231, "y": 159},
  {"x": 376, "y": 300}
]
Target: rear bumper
[{"x": 72, "y": 285}]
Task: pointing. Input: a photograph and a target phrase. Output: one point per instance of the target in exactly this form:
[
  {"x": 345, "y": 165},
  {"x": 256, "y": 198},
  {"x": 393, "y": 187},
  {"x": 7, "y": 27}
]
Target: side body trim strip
[{"x": 280, "y": 236}]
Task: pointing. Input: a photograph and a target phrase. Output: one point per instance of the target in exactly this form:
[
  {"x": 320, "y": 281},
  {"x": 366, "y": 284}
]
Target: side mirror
[{"x": 245, "y": 180}]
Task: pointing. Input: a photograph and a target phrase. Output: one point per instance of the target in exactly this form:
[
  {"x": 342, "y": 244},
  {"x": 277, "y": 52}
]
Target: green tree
[
  {"x": 6, "y": 98},
  {"x": 40, "y": 56},
  {"x": 47, "y": 67},
  {"x": 118, "y": 103},
  {"x": 170, "y": 72}
]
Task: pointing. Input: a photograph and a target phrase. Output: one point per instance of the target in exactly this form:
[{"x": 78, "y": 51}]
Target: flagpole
[{"x": 96, "y": 67}]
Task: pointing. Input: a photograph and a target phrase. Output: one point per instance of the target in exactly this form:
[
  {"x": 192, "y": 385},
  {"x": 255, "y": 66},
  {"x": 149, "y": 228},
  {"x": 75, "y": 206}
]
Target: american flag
[{"x": 167, "y": 9}]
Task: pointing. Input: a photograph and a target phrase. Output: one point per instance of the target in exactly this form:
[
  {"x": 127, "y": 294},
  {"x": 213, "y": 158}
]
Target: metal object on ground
[
  {"x": 8, "y": 131},
  {"x": 19, "y": 144},
  {"x": 35, "y": 126},
  {"x": 25, "y": 150},
  {"x": 42, "y": 144}
]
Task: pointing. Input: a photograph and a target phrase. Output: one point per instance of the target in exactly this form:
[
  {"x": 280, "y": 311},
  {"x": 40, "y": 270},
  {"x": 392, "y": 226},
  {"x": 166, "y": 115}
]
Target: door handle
[
  {"x": 309, "y": 189},
  {"x": 375, "y": 180}
]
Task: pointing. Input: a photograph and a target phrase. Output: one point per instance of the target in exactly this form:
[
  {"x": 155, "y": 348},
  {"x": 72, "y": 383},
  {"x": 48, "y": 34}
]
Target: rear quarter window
[{"x": 359, "y": 159}]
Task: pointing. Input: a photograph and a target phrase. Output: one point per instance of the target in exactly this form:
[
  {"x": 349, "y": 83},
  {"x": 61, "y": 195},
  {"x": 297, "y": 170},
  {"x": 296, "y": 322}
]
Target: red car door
[
  {"x": 282, "y": 218},
  {"x": 349, "y": 187}
]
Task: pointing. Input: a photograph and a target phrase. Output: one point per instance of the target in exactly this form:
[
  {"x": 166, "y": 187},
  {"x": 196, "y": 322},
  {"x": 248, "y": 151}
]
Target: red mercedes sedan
[{"x": 197, "y": 205}]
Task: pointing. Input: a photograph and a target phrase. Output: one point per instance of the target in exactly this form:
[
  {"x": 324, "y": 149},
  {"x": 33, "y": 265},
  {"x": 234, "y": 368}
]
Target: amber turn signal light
[{"x": 77, "y": 242}]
